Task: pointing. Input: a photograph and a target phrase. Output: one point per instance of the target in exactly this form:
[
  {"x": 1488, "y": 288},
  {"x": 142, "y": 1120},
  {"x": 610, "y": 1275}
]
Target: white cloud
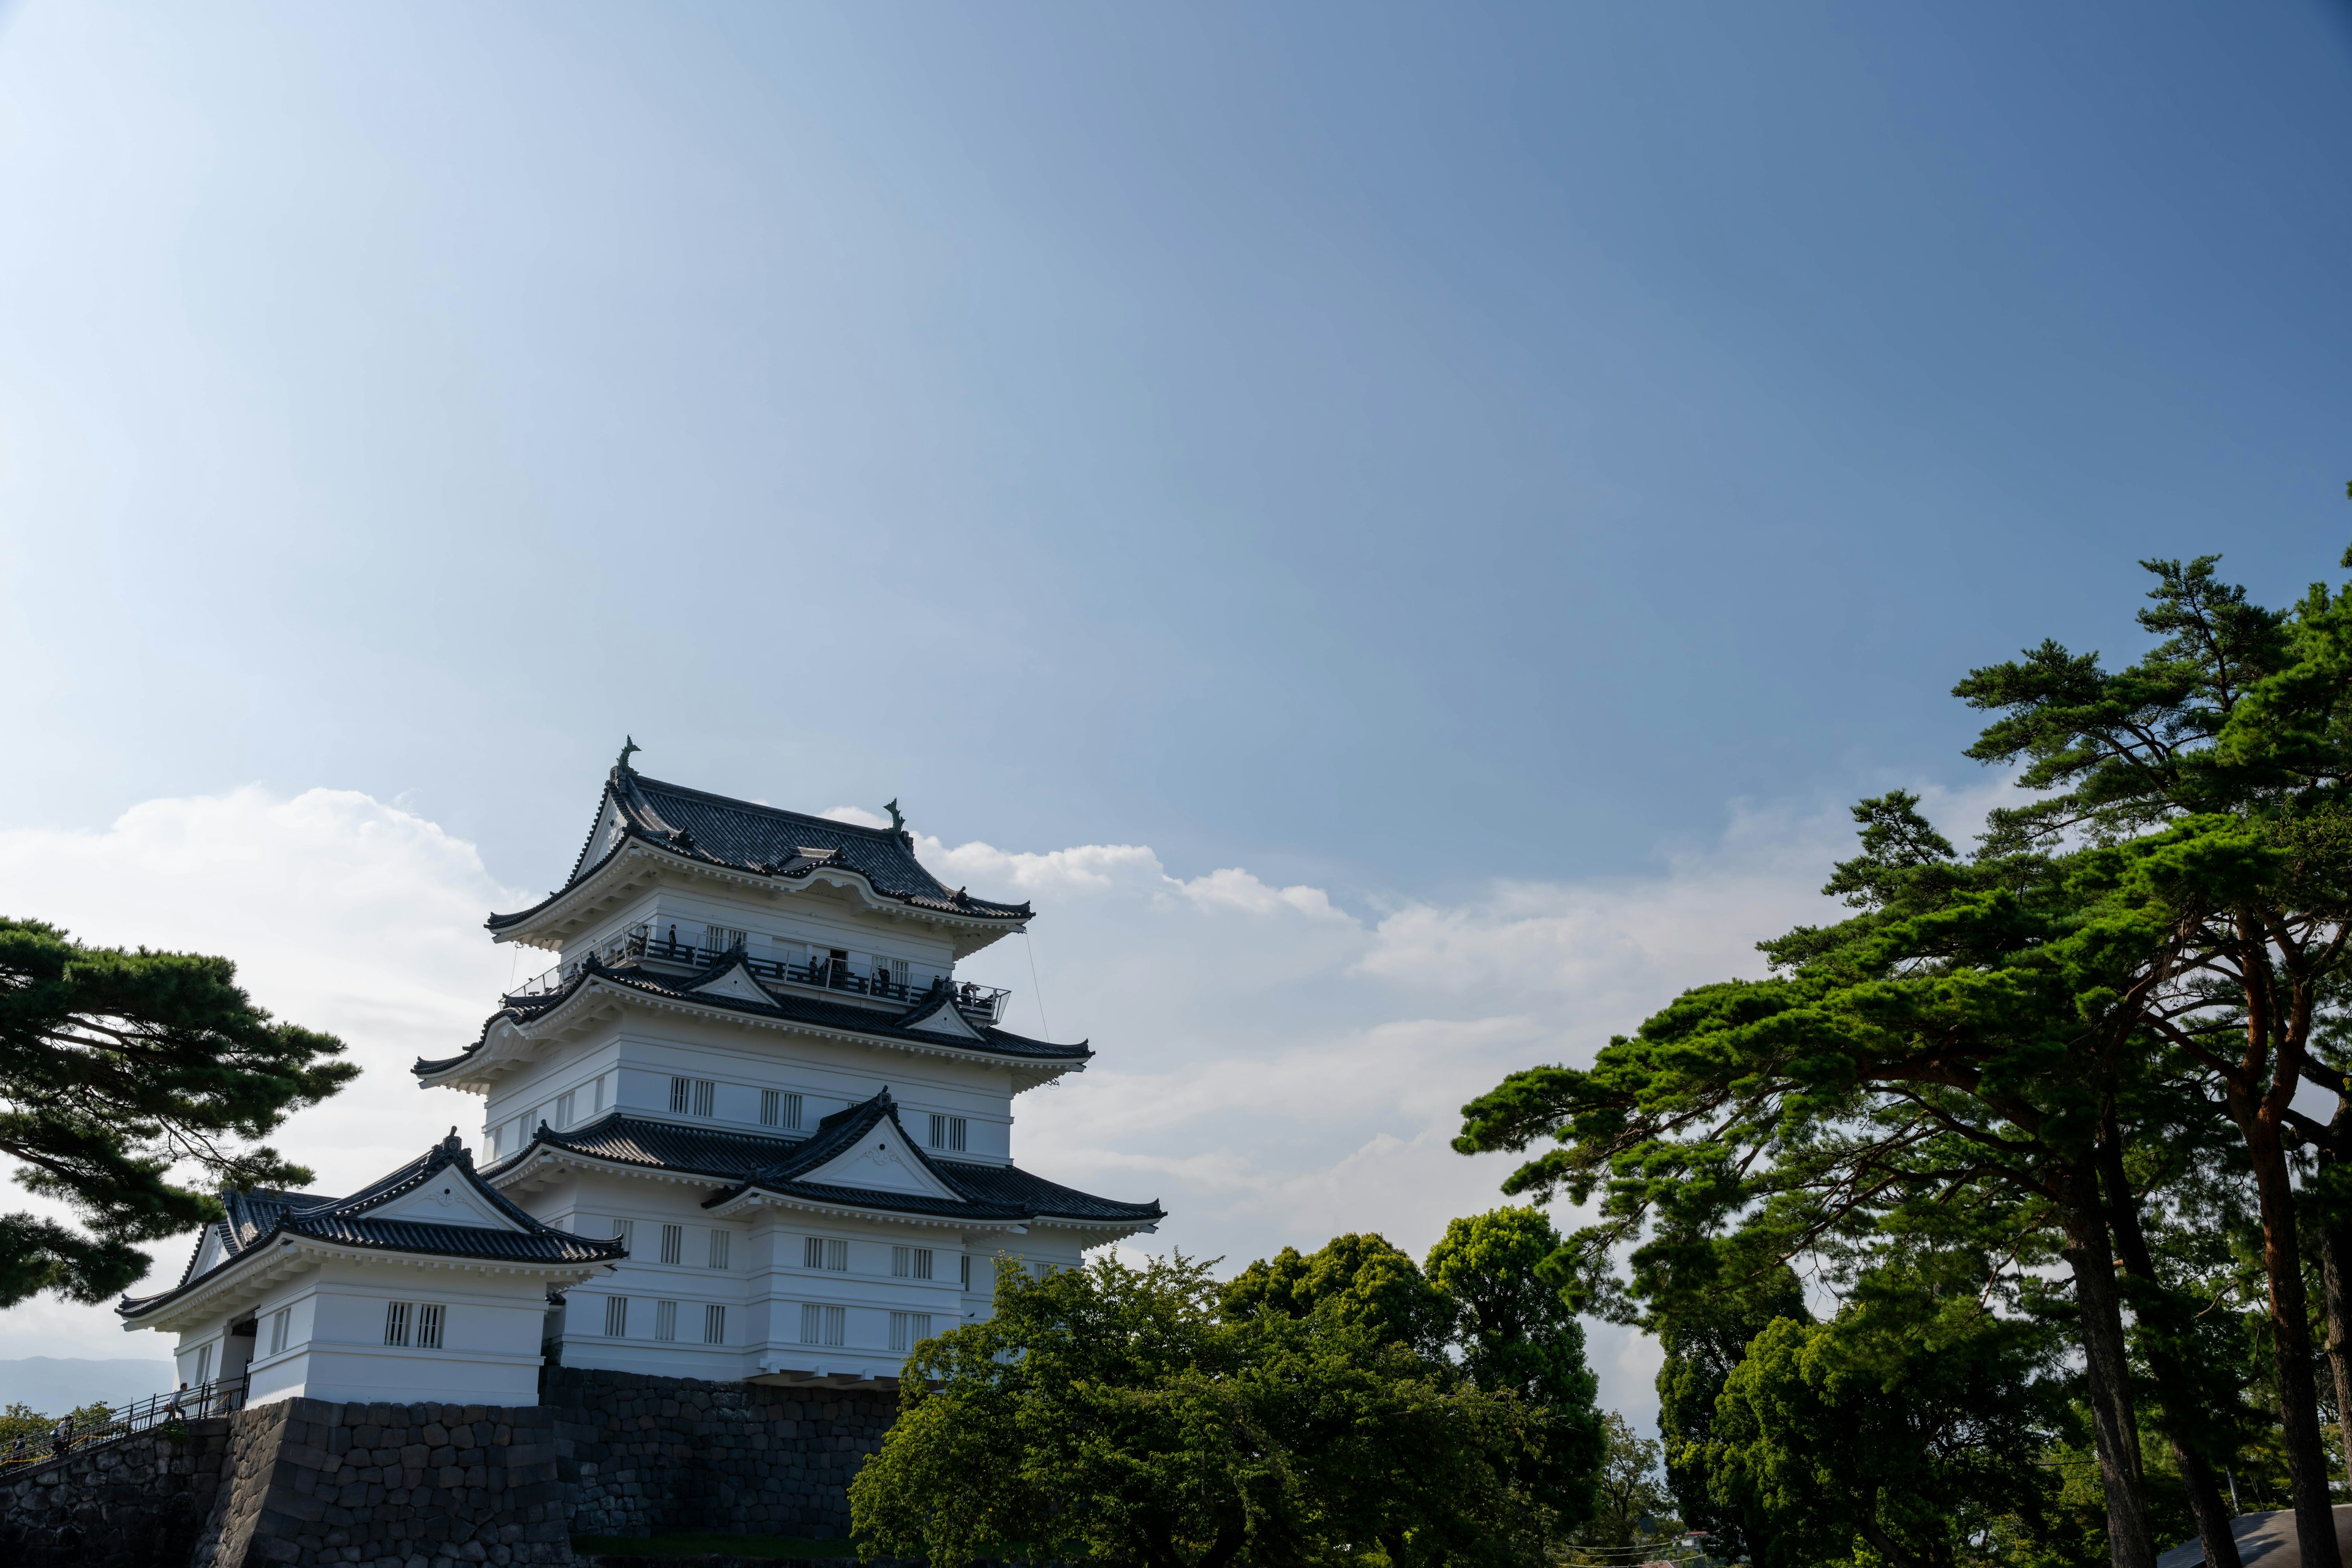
[{"x": 1273, "y": 1066}]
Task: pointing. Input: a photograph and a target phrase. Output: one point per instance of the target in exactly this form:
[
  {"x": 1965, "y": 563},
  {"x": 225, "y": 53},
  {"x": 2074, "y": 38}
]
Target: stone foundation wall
[
  {"x": 640, "y": 1454},
  {"x": 304, "y": 1482},
  {"x": 424, "y": 1486},
  {"x": 132, "y": 1504}
]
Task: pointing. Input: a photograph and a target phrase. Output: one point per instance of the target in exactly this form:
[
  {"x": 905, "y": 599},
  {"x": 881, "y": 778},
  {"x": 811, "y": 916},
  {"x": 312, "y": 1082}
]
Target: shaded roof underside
[
  {"x": 786, "y": 1005},
  {"x": 737, "y": 1163}
]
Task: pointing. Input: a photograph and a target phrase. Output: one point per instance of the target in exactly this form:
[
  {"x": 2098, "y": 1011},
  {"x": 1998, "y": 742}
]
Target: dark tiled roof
[
  {"x": 762, "y": 839},
  {"x": 256, "y": 1219},
  {"x": 781, "y": 1004},
  {"x": 744, "y": 1161}
]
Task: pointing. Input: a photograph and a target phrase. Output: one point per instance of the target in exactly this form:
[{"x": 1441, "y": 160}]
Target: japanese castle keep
[{"x": 750, "y": 1127}]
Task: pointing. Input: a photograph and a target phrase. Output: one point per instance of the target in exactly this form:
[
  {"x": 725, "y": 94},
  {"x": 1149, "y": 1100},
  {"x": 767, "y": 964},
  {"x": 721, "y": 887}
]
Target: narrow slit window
[
  {"x": 395, "y": 1322},
  {"x": 681, "y": 1089},
  {"x": 665, "y": 1319},
  {"x": 719, "y": 1242},
  {"x": 911, "y": 1262},
  {"x": 821, "y": 1252},
  {"x": 714, "y": 1325},
  {"x": 616, "y": 1316},
  {"x": 428, "y": 1326},
  {"x": 706, "y": 1097},
  {"x": 949, "y": 1132},
  {"x": 964, "y": 1263},
  {"x": 823, "y": 1325},
  {"x": 778, "y": 1109},
  {"x": 281, "y": 1322},
  {"x": 673, "y": 1248},
  {"x": 909, "y": 1330}
]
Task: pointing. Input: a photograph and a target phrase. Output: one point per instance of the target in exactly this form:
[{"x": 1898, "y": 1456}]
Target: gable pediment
[
  {"x": 737, "y": 983},
  {"x": 947, "y": 1022},
  {"x": 448, "y": 1198},
  {"x": 882, "y": 1160}
]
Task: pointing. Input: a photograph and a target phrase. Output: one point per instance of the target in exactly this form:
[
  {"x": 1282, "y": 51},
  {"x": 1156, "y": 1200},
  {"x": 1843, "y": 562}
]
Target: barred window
[
  {"x": 395, "y": 1322},
  {"x": 911, "y": 1262},
  {"x": 665, "y": 1319},
  {"x": 948, "y": 1132},
  {"x": 964, "y": 1263},
  {"x": 625, "y": 1232},
  {"x": 714, "y": 1325},
  {"x": 706, "y": 1095},
  {"x": 680, "y": 1092},
  {"x": 778, "y": 1109},
  {"x": 821, "y": 1325},
  {"x": 616, "y": 1316},
  {"x": 428, "y": 1326},
  {"x": 819, "y": 1252},
  {"x": 907, "y": 1330},
  {"x": 673, "y": 1248},
  {"x": 719, "y": 1249}
]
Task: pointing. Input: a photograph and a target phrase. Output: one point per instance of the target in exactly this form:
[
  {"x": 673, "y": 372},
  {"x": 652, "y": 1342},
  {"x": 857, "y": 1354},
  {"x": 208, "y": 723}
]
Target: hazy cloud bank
[{"x": 1274, "y": 1066}]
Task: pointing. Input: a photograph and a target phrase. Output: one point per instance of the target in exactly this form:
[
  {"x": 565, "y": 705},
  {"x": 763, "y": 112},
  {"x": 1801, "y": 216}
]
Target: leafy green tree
[
  {"x": 1915, "y": 1422},
  {"x": 1360, "y": 1277},
  {"x": 1633, "y": 1502},
  {"x": 1704, "y": 1337},
  {"x": 1114, "y": 1415},
  {"x": 114, "y": 1066},
  {"x": 1961, "y": 1030},
  {"x": 2173, "y": 908},
  {"x": 2216, "y": 768},
  {"x": 1516, "y": 1332}
]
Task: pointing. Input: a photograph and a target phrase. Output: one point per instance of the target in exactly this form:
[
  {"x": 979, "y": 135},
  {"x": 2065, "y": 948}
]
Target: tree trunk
[
  {"x": 2290, "y": 1315},
  {"x": 2335, "y": 1278},
  {"x": 2107, "y": 1372},
  {"x": 2176, "y": 1390},
  {"x": 1884, "y": 1544}
]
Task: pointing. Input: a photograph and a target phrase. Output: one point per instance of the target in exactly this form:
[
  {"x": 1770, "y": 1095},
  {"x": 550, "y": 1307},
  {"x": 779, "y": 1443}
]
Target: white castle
[{"x": 749, "y": 1126}]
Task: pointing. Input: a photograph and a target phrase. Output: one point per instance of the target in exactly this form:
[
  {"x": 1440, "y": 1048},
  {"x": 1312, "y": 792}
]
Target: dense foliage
[
  {"x": 2070, "y": 1058},
  {"x": 116, "y": 1065},
  {"x": 1117, "y": 1415}
]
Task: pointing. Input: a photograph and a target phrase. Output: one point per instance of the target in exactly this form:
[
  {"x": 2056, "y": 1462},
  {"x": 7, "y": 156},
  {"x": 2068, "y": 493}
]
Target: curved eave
[
  {"x": 244, "y": 1280},
  {"x": 536, "y": 1165},
  {"x": 570, "y": 910},
  {"x": 507, "y": 1046},
  {"x": 752, "y": 1198}
]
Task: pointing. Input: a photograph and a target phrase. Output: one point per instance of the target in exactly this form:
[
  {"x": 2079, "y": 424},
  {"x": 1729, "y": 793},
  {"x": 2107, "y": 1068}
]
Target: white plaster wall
[
  {"x": 765, "y": 1284},
  {"x": 490, "y": 1347},
  {"x": 636, "y": 1056}
]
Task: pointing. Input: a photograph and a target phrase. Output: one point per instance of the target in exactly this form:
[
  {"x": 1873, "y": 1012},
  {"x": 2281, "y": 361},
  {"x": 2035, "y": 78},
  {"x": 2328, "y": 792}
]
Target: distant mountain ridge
[{"x": 55, "y": 1384}]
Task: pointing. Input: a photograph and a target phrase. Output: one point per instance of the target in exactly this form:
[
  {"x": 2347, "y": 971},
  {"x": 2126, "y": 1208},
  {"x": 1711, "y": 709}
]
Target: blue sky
[
  {"x": 1488, "y": 484},
  {"x": 1393, "y": 444}
]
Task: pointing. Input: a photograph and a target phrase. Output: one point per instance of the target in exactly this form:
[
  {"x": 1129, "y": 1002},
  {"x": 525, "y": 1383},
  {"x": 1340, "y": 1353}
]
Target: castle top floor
[{"x": 671, "y": 864}]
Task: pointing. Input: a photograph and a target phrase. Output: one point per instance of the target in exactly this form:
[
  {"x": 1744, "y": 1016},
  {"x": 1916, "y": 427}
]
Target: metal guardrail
[
  {"x": 982, "y": 1004},
  {"x": 64, "y": 1439}
]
